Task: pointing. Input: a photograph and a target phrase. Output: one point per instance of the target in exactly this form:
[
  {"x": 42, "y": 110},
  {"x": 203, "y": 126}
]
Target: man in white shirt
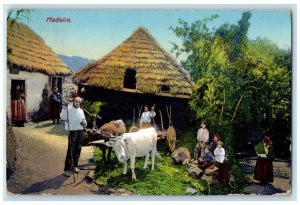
[
  {"x": 147, "y": 116},
  {"x": 74, "y": 123},
  {"x": 203, "y": 139}
]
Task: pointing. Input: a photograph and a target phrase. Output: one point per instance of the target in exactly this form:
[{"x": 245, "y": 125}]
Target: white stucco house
[{"x": 32, "y": 65}]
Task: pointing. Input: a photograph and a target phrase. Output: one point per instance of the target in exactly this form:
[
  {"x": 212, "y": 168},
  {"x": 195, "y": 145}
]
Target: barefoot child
[{"x": 208, "y": 159}]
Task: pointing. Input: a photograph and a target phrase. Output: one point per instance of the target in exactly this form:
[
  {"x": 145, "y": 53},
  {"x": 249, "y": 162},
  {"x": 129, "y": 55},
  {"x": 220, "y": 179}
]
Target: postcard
[{"x": 148, "y": 102}]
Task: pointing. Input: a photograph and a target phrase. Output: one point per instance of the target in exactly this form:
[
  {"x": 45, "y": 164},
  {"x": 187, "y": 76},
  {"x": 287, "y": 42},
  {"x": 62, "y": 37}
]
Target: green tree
[{"x": 237, "y": 81}]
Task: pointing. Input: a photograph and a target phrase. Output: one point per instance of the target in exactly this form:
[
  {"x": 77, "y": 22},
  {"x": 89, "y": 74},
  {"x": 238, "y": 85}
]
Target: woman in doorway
[
  {"x": 18, "y": 110},
  {"x": 55, "y": 105}
]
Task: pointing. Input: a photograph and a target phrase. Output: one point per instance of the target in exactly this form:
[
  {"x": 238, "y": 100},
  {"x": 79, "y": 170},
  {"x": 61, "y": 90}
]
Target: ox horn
[{"x": 98, "y": 142}]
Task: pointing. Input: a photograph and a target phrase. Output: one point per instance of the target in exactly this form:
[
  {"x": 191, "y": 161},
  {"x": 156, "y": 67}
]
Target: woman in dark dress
[
  {"x": 264, "y": 164},
  {"x": 55, "y": 105},
  {"x": 18, "y": 110}
]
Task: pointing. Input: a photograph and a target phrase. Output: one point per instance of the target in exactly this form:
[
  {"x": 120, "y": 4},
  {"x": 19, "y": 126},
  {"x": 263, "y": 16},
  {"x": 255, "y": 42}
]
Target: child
[
  {"x": 223, "y": 173},
  {"x": 203, "y": 138},
  {"x": 207, "y": 160}
]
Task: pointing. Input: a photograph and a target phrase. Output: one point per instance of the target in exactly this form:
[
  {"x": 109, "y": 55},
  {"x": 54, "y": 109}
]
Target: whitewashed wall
[{"x": 34, "y": 85}]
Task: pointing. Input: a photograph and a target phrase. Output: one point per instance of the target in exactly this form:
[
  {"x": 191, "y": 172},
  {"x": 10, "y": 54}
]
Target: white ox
[{"x": 135, "y": 144}]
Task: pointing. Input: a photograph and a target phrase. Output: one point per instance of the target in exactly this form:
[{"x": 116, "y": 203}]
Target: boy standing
[{"x": 203, "y": 138}]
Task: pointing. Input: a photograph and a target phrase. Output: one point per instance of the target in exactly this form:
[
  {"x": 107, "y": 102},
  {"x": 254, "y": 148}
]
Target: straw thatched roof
[
  {"x": 153, "y": 65},
  {"x": 28, "y": 51}
]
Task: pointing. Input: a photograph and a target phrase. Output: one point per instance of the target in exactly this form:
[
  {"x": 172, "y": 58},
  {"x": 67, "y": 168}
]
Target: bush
[
  {"x": 93, "y": 108},
  {"x": 238, "y": 179},
  {"x": 187, "y": 139}
]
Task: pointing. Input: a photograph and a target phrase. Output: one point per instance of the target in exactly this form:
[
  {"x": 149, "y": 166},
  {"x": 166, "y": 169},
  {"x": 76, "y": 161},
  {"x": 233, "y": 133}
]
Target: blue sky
[{"x": 94, "y": 33}]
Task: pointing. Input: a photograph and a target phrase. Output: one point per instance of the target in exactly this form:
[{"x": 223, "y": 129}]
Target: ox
[
  {"x": 136, "y": 144},
  {"x": 105, "y": 133}
]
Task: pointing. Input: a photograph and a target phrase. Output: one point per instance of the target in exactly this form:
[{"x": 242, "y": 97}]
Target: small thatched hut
[
  {"x": 137, "y": 72},
  {"x": 32, "y": 65}
]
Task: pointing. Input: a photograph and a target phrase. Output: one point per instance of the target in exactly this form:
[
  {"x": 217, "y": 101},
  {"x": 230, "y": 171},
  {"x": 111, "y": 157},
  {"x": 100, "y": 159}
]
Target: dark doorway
[
  {"x": 57, "y": 81},
  {"x": 129, "y": 79}
]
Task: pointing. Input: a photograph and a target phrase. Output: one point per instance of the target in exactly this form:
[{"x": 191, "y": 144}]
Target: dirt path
[
  {"x": 40, "y": 162},
  {"x": 282, "y": 179}
]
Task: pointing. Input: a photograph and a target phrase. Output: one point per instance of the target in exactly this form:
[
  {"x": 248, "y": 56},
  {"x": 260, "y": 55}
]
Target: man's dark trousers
[{"x": 74, "y": 146}]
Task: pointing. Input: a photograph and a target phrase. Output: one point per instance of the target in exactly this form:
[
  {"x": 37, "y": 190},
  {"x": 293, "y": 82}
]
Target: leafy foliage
[
  {"x": 239, "y": 83},
  {"x": 237, "y": 179},
  {"x": 92, "y": 108}
]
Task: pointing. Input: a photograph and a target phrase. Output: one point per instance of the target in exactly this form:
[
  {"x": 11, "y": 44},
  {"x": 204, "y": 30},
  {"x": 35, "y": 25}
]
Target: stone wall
[{"x": 69, "y": 87}]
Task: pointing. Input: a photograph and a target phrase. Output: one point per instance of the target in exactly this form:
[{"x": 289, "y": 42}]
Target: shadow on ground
[
  {"x": 56, "y": 129},
  {"x": 43, "y": 125},
  {"x": 53, "y": 183},
  {"x": 263, "y": 189}
]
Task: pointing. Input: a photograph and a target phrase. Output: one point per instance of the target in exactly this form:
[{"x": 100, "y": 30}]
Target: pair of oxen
[{"x": 136, "y": 143}]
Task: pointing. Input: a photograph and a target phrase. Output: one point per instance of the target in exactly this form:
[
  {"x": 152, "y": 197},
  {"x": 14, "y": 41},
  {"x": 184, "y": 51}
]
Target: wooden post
[{"x": 161, "y": 121}]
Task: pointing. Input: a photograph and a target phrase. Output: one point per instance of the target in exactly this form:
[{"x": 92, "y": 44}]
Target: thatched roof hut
[
  {"x": 33, "y": 66},
  {"x": 154, "y": 70},
  {"x": 139, "y": 71},
  {"x": 28, "y": 52}
]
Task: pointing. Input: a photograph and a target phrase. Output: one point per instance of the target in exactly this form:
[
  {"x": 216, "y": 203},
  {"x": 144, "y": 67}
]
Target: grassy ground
[{"x": 166, "y": 179}]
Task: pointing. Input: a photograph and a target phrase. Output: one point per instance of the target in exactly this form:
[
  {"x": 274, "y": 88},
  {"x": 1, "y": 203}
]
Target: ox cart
[
  {"x": 162, "y": 134},
  {"x": 98, "y": 137}
]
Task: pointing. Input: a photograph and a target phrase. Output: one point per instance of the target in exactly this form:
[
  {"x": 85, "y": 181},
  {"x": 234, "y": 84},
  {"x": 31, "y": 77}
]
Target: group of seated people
[
  {"x": 207, "y": 154},
  {"x": 211, "y": 154}
]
